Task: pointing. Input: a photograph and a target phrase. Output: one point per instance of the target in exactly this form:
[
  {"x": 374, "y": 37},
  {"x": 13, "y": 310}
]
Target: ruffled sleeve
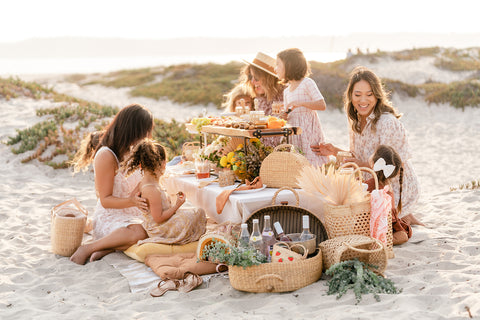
[{"x": 392, "y": 132}]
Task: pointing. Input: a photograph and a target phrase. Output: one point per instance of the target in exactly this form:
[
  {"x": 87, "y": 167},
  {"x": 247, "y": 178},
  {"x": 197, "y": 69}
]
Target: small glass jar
[{"x": 226, "y": 177}]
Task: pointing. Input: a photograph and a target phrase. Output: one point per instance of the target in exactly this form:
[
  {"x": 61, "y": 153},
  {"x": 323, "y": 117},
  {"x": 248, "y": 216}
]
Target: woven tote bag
[
  {"x": 68, "y": 224},
  {"x": 282, "y": 168}
]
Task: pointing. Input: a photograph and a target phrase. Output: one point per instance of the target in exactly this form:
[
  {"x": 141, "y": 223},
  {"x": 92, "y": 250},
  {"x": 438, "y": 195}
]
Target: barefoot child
[
  {"x": 302, "y": 100},
  {"x": 387, "y": 164},
  {"x": 164, "y": 223}
]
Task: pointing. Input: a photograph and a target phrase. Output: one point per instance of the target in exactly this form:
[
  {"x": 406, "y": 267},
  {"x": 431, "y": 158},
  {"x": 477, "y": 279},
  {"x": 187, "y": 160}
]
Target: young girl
[
  {"x": 164, "y": 223},
  {"x": 302, "y": 100},
  {"x": 387, "y": 164},
  {"x": 235, "y": 96}
]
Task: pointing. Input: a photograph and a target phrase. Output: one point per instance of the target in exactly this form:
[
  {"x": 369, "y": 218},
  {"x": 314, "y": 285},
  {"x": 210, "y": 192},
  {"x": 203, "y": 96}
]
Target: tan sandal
[
  {"x": 189, "y": 282},
  {"x": 164, "y": 286}
]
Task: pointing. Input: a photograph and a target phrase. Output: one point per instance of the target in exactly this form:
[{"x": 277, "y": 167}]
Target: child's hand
[{"x": 180, "y": 199}]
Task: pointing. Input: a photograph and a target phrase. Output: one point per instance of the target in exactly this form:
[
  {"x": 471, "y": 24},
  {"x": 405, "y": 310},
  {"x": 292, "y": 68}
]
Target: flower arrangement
[
  {"x": 214, "y": 151},
  {"x": 246, "y": 160}
]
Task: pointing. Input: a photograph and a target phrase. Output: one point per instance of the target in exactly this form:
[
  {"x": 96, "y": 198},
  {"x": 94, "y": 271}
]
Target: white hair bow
[{"x": 380, "y": 164}]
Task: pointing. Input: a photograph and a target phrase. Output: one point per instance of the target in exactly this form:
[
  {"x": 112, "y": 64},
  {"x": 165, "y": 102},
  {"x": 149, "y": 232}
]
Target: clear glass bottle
[
  {"x": 256, "y": 240},
  {"x": 306, "y": 234},
  {"x": 268, "y": 237},
  {"x": 244, "y": 236},
  {"x": 281, "y": 236}
]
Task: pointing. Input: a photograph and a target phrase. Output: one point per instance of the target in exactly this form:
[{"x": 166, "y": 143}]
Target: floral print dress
[
  {"x": 307, "y": 119},
  {"x": 389, "y": 131}
]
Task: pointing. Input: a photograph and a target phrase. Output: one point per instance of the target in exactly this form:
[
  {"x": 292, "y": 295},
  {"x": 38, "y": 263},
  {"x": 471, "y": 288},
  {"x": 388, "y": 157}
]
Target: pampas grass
[{"x": 330, "y": 186}]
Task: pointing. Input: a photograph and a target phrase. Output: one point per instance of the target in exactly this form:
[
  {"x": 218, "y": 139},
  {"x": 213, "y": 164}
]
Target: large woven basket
[
  {"x": 277, "y": 277},
  {"x": 354, "y": 218},
  {"x": 68, "y": 224},
  {"x": 290, "y": 217},
  {"x": 281, "y": 169},
  {"x": 366, "y": 249}
]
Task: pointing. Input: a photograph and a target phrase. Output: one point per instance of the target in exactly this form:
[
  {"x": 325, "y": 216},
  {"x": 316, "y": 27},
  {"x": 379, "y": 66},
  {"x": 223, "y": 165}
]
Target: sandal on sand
[
  {"x": 164, "y": 287},
  {"x": 189, "y": 282}
]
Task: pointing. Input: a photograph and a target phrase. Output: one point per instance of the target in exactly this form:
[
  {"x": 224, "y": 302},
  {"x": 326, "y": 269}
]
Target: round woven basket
[
  {"x": 68, "y": 224},
  {"x": 364, "y": 248},
  {"x": 281, "y": 169},
  {"x": 276, "y": 277},
  {"x": 290, "y": 217}
]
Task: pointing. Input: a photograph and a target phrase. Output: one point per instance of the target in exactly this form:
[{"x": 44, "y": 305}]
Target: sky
[{"x": 159, "y": 19}]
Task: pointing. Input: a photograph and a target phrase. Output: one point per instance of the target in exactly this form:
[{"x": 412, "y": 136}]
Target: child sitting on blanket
[
  {"x": 387, "y": 164},
  {"x": 163, "y": 223}
]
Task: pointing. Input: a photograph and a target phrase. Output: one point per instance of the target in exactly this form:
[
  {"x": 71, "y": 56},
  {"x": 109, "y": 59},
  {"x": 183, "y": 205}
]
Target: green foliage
[
  {"x": 401, "y": 87},
  {"x": 472, "y": 185},
  {"x": 14, "y": 87},
  {"x": 172, "y": 135},
  {"x": 459, "y": 59},
  {"x": 233, "y": 256},
  {"x": 459, "y": 94},
  {"x": 128, "y": 78},
  {"x": 193, "y": 84},
  {"x": 331, "y": 80},
  {"x": 356, "y": 275},
  {"x": 30, "y": 137},
  {"x": 415, "y": 54}
]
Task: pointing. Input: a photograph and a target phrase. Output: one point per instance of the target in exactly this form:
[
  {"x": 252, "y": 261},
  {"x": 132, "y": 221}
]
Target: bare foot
[
  {"x": 410, "y": 219},
  {"x": 81, "y": 255},
  {"x": 97, "y": 255}
]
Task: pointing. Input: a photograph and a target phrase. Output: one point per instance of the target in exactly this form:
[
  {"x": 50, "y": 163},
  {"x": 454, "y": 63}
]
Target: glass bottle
[
  {"x": 244, "y": 236},
  {"x": 306, "y": 234},
  {"x": 268, "y": 237},
  {"x": 281, "y": 236},
  {"x": 256, "y": 240}
]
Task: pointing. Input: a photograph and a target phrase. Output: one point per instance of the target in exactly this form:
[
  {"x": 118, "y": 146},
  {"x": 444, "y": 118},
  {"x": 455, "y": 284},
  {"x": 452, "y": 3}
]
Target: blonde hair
[
  {"x": 87, "y": 150},
  {"x": 240, "y": 90},
  {"x": 384, "y": 105},
  {"x": 273, "y": 87}
]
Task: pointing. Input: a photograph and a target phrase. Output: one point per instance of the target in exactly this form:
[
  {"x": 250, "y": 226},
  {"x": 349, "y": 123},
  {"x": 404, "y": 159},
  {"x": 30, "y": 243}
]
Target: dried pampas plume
[{"x": 329, "y": 185}]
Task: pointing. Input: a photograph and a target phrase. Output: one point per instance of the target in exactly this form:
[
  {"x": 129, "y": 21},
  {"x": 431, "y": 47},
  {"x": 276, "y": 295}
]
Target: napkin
[{"x": 222, "y": 198}]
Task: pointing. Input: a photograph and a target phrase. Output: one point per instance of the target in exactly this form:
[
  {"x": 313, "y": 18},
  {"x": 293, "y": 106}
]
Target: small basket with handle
[
  {"x": 189, "y": 148},
  {"x": 68, "y": 224}
]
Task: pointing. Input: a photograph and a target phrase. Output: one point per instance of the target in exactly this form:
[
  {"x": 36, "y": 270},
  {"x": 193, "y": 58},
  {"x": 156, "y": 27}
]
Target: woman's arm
[
  {"x": 325, "y": 149},
  {"x": 105, "y": 167},
  {"x": 154, "y": 197}
]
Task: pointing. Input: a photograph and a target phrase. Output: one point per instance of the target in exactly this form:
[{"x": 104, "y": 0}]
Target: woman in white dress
[{"x": 119, "y": 204}]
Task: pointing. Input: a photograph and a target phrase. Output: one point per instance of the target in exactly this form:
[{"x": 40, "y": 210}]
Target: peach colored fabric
[
  {"x": 389, "y": 131},
  {"x": 381, "y": 204},
  {"x": 222, "y": 198},
  {"x": 175, "y": 266}
]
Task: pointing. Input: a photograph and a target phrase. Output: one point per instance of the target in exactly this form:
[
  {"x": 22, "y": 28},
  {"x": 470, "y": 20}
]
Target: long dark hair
[
  {"x": 131, "y": 124},
  {"x": 383, "y": 103}
]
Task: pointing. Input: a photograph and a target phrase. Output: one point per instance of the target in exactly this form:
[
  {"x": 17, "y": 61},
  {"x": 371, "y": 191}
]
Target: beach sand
[{"x": 438, "y": 269}]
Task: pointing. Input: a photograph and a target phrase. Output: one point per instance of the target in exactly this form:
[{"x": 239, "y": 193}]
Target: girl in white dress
[{"x": 302, "y": 99}]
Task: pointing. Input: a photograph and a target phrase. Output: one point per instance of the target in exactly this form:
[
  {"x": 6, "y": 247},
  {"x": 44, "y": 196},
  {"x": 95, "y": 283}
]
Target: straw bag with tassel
[{"x": 68, "y": 224}]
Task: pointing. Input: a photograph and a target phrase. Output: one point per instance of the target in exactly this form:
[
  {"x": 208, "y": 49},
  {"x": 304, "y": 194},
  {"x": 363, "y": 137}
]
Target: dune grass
[
  {"x": 459, "y": 94},
  {"x": 459, "y": 59}
]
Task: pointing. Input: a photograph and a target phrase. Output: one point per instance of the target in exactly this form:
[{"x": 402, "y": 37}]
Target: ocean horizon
[{"x": 102, "y": 64}]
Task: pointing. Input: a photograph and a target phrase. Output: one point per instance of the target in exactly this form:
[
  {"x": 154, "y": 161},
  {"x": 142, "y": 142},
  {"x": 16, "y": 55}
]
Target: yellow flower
[
  {"x": 230, "y": 156},
  {"x": 239, "y": 147},
  {"x": 254, "y": 140},
  {"x": 224, "y": 161}
]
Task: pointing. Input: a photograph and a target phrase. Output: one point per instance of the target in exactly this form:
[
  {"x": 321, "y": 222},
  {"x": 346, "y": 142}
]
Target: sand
[{"x": 438, "y": 269}]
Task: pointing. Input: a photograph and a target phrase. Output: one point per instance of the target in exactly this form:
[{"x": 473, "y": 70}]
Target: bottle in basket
[
  {"x": 281, "y": 236},
  {"x": 306, "y": 234},
  {"x": 244, "y": 236},
  {"x": 268, "y": 237},
  {"x": 256, "y": 240}
]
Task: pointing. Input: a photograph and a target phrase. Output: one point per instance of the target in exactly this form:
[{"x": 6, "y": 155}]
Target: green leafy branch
[{"x": 233, "y": 256}]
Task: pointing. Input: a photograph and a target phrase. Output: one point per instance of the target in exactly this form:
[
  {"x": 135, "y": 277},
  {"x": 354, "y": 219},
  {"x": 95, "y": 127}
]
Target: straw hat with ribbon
[{"x": 263, "y": 62}]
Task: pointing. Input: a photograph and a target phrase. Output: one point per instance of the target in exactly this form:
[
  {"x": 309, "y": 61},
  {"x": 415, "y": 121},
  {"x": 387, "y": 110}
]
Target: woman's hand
[
  {"x": 139, "y": 202},
  {"x": 325, "y": 149},
  {"x": 180, "y": 199}
]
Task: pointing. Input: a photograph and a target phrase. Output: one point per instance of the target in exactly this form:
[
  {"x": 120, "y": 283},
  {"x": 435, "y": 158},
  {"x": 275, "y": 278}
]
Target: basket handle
[
  {"x": 191, "y": 144},
  {"x": 380, "y": 244},
  {"x": 268, "y": 276},
  {"x": 369, "y": 171},
  {"x": 305, "y": 251},
  {"x": 274, "y": 198},
  {"x": 285, "y": 145},
  {"x": 73, "y": 201},
  {"x": 349, "y": 164}
]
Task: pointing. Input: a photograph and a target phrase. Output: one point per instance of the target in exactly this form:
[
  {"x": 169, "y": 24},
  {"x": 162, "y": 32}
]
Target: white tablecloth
[{"x": 240, "y": 206}]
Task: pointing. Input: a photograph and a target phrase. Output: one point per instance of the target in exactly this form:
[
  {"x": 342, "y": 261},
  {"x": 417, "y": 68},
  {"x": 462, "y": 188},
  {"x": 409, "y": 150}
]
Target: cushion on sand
[{"x": 139, "y": 252}]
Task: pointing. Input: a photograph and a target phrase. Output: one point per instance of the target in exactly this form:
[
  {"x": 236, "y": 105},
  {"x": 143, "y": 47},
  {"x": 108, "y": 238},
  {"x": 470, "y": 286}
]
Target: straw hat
[{"x": 264, "y": 62}]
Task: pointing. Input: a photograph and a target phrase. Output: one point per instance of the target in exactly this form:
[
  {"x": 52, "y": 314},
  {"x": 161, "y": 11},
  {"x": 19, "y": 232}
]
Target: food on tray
[
  {"x": 275, "y": 123},
  {"x": 186, "y": 167}
]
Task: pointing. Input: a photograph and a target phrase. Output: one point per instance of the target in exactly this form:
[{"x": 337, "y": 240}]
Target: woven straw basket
[
  {"x": 366, "y": 249},
  {"x": 189, "y": 148},
  {"x": 276, "y": 277},
  {"x": 68, "y": 223},
  {"x": 290, "y": 217},
  {"x": 281, "y": 169},
  {"x": 354, "y": 218}
]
